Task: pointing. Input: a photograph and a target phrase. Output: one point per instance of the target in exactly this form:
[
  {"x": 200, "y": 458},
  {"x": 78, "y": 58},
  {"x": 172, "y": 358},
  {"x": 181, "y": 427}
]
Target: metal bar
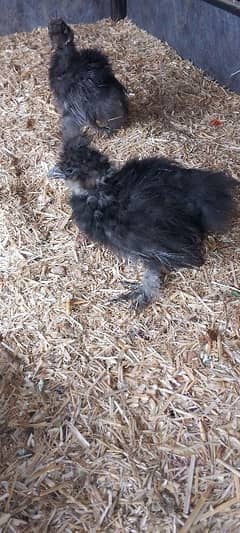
[
  {"x": 118, "y": 9},
  {"x": 232, "y": 6}
]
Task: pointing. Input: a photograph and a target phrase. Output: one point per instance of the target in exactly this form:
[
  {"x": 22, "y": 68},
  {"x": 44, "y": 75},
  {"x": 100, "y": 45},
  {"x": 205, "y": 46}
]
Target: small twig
[
  {"x": 11, "y": 491},
  {"x": 81, "y": 439},
  {"x": 193, "y": 516},
  {"x": 189, "y": 485},
  {"x": 107, "y": 509},
  {"x": 229, "y": 467}
]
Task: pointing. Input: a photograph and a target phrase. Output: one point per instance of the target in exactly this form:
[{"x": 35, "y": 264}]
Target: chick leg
[
  {"x": 102, "y": 128},
  {"x": 144, "y": 293},
  {"x": 110, "y": 126},
  {"x": 70, "y": 128}
]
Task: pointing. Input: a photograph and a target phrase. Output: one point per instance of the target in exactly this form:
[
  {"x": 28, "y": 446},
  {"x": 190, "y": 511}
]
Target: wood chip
[
  {"x": 189, "y": 485},
  {"x": 194, "y": 514}
]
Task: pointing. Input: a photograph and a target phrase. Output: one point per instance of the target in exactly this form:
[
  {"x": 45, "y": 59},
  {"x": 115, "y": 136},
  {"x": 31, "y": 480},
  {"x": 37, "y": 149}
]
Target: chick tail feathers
[{"x": 219, "y": 207}]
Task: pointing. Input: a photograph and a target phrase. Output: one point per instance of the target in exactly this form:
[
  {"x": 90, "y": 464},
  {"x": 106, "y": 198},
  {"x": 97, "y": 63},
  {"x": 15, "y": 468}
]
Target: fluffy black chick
[
  {"x": 151, "y": 210},
  {"x": 85, "y": 88}
]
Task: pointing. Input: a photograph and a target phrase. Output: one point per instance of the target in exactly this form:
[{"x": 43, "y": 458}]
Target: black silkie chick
[
  {"x": 152, "y": 210},
  {"x": 85, "y": 88}
]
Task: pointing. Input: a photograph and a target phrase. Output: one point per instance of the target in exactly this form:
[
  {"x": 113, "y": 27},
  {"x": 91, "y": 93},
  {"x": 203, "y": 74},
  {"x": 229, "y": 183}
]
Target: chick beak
[{"x": 56, "y": 173}]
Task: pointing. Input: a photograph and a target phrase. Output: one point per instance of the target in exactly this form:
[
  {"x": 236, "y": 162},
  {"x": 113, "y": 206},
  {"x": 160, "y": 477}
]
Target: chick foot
[
  {"x": 142, "y": 294},
  {"x": 55, "y": 173},
  {"x": 137, "y": 296}
]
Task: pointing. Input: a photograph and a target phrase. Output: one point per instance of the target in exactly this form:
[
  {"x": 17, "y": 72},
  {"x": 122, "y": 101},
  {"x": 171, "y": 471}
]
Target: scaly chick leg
[
  {"x": 144, "y": 293},
  {"x": 70, "y": 127}
]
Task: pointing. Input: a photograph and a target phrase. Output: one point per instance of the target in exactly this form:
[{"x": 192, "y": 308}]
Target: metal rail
[
  {"x": 232, "y": 6},
  {"x": 119, "y": 7}
]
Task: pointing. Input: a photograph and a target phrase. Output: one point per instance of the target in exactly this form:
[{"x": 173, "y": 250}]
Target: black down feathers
[
  {"x": 152, "y": 210},
  {"x": 85, "y": 88}
]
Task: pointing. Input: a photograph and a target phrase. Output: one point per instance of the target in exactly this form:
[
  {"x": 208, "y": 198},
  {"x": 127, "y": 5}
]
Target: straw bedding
[{"x": 111, "y": 421}]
